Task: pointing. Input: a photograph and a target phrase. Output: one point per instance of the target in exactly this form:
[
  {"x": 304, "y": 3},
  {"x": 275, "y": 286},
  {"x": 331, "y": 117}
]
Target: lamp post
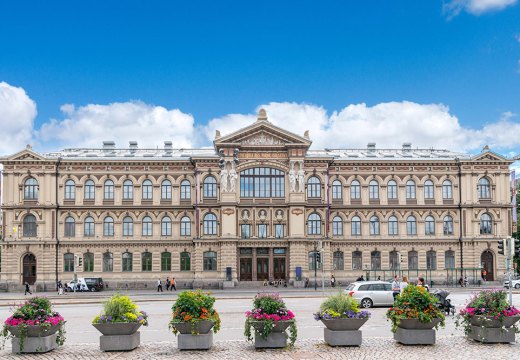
[{"x": 315, "y": 256}]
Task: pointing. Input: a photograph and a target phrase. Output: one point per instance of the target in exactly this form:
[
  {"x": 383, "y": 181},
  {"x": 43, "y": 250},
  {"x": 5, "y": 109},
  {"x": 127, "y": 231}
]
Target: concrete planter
[
  {"x": 118, "y": 336},
  {"x": 486, "y": 329},
  {"x": 414, "y": 332},
  {"x": 343, "y": 332},
  {"x": 39, "y": 339},
  {"x": 198, "y": 336},
  {"x": 276, "y": 339}
]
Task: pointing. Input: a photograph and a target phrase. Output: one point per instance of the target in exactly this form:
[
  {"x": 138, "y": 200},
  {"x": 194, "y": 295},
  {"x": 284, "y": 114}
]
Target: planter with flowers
[
  {"x": 119, "y": 322},
  {"x": 270, "y": 319},
  {"x": 194, "y": 320},
  {"x": 342, "y": 319},
  {"x": 414, "y": 316},
  {"x": 488, "y": 318},
  {"x": 34, "y": 327}
]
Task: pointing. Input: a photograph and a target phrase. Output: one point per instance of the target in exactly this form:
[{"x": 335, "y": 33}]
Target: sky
[{"x": 443, "y": 74}]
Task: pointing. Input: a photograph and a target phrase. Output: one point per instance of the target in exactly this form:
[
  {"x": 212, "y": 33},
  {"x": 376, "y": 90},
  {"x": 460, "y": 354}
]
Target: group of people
[
  {"x": 463, "y": 282},
  {"x": 399, "y": 286},
  {"x": 170, "y": 284}
]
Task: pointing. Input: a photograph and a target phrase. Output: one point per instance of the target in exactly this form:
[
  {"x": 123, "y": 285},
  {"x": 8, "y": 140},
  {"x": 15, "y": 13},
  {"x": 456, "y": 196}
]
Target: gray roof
[
  {"x": 141, "y": 154},
  {"x": 389, "y": 154}
]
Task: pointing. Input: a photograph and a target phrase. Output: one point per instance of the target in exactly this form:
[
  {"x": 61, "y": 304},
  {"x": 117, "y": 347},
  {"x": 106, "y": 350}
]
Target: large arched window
[
  {"x": 411, "y": 225},
  {"x": 393, "y": 226},
  {"x": 146, "y": 261},
  {"x": 70, "y": 190},
  {"x": 484, "y": 189},
  {"x": 108, "y": 262},
  {"x": 313, "y": 187},
  {"x": 338, "y": 261},
  {"x": 375, "y": 260},
  {"x": 337, "y": 192},
  {"x": 374, "y": 225},
  {"x": 337, "y": 226},
  {"x": 128, "y": 226},
  {"x": 147, "y": 226},
  {"x": 314, "y": 224},
  {"x": 355, "y": 190},
  {"x": 128, "y": 190},
  {"x": 88, "y": 262},
  {"x": 410, "y": 189},
  {"x": 210, "y": 224},
  {"x": 90, "y": 190},
  {"x": 262, "y": 183},
  {"x": 89, "y": 227},
  {"x": 209, "y": 261},
  {"x": 108, "y": 226},
  {"x": 210, "y": 187},
  {"x": 356, "y": 225},
  {"x": 373, "y": 190},
  {"x": 30, "y": 189},
  {"x": 447, "y": 190},
  {"x": 393, "y": 258},
  {"x": 128, "y": 261},
  {"x": 70, "y": 227},
  {"x": 413, "y": 260},
  {"x": 185, "y": 261},
  {"x": 429, "y": 225},
  {"x": 185, "y": 226},
  {"x": 449, "y": 259},
  {"x": 29, "y": 226},
  {"x": 185, "y": 190},
  {"x": 166, "y": 190},
  {"x": 429, "y": 190},
  {"x": 147, "y": 190},
  {"x": 357, "y": 260},
  {"x": 392, "y": 190},
  {"x": 486, "y": 224},
  {"x": 68, "y": 262},
  {"x": 166, "y": 226},
  {"x": 431, "y": 260},
  {"x": 166, "y": 261},
  {"x": 108, "y": 190},
  {"x": 448, "y": 225}
]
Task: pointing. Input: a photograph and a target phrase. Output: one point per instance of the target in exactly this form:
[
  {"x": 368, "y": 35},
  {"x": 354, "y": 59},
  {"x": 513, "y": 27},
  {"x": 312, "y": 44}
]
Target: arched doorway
[
  {"x": 29, "y": 269},
  {"x": 486, "y": 260}
]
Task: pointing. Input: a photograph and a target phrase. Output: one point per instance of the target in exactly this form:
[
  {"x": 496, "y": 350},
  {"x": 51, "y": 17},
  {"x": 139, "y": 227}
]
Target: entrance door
[
  {"x": 246, "y": 269},
  {"x": 279, "y": 268},
  {"x": 262, "y": 269},
  {"x": 486, "y": 259},
  {"x": 29, "y": 269}
]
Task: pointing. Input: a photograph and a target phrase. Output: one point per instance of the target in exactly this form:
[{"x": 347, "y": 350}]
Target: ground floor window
[
  {"x": 128, "y": 261},
  {"x": 209, "y": 261},
  {"x": 357, "y": 260},
  {"x": 314, "y": 258},
  {"x": 146, "y": 261},
  {"x": 449, "y": 259},
  {"x": 108, "y": 262},
  {"x": 375, "y": 260},
  {"x": 88, "y": 262},
  {"x": 413, "y": 260},
  {"x": 166, "y": 261},
  {"x": 68, "y": 262},
  {"x": 431, "y": 260},
  {"x": 338, "y": 260},
  {"x": 185, "y": 261}
]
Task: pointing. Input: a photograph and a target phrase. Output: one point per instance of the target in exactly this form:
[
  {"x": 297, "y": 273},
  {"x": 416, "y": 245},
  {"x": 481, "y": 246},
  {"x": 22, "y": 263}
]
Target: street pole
[
  {"x": 322, "y": 274},
  {"x": 315, "y": 267},
  {"x": 510, "y": 254}
]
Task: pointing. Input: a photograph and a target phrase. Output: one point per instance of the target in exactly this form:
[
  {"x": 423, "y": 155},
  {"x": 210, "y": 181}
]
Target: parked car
[
  {"x": 371, "y": 293},
  {"x": 94, "y": 284},
  {"x": 85, "y": 284},
  {"x": 515, "y": 280}
]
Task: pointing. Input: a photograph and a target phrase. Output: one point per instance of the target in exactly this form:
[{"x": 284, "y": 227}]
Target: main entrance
[
  {"x": 260, "y": 264},
  {"x": 279, "y": 268},
  {"x": 246, "y": 269},
  {"x": 486, "y": 259},
  {"x": 29, "y": 269}
]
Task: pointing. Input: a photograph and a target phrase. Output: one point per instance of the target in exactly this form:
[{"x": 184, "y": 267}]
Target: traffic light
[
  {"x": 318, "y": 257},
  {"x": 501, "y": 246},
  {"x": 80, "y": 261},
  {"x": 516, "y": 247}
]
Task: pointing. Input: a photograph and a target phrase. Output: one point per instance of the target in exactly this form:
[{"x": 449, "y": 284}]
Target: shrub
[
  {"x": 121, "y": 309},
  {"x": 193, "y": 307},
  {"x": 340, "y": 306}
]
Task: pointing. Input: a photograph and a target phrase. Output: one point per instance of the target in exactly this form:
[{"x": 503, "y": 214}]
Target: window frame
[
  {"x": 355, "y": 190},
  {"x": 262, "y": 182},
  {"x": 166, "y": 226},
  {"x": 447, "y": 190},
  {"x": 128, "y": 190},
  {"x": 429, "y": 190},
  {"x": 209, "y": 263},
  {"x": 166, "y": 190},
  {"x": 89, "y": 191},
  {"x": 89, "y": 227},
  {"x": 88, "y": 262},
  {"x": 185, "y": 226},
  {"x": 373, "y": 190},
  {"x": 128, "y": 226},
  {"x": 209, "y": 187},
  {"x": 108, "y": 226},
  {"x": 393, "y": 225},
  {"x": 411, "y": 190},
  {"x": 108, "y": 190},
  {"x": 30, "y": 189},
  {"x": 108, "y": 262},
  {"x": 185, "y": 261},
  {"x": 355, "y": 224},
  {"x": 185, "y": 189},
  {"x": 314, "y": 187},
  {"x": 314, "y": 224},
  {"x": 337, "y": 226},
  {"x": 337, "y": 190},
  {"x": 69, "y": 227},
  {"x": 411, "y": 226},
  {"x": 127, "y": 264},
  {"x": 146, "y": 261},
  {"x": 210, "y": 226},
  {"x": 392, "y": 190},
  {"x": 147, "y": 190},
  {"x": 70, "y": 190},
  {"x": 429, "y": 225},
  {"x": 147, "y": 226}
]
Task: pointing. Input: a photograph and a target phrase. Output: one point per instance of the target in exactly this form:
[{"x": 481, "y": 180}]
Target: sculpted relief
[{"x": 262, "y": 139}]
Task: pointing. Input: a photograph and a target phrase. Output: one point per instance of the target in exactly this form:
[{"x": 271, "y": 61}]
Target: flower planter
[
  {"x": 276, "y": 339},
  {"x": 343, "y": 332},
  {"x": 487, "y": 329},
  {"x": 118, "y": 336},
  {"x": 39, "y": 339},
  {"x": 194, "y": 336},
  {"x": 414, "y": 332}
]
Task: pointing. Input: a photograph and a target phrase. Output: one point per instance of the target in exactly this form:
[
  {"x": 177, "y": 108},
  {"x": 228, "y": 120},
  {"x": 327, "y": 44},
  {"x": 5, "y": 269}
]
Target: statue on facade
[
  {"x": 245, "y": 215},
  {"x": 224, "y": 179},
  {"x": 233, "y": 176},
  {"x": 301, "y": 178},
  {"x": 292, "y": 178},
  {"x": 279, "y": 215}
]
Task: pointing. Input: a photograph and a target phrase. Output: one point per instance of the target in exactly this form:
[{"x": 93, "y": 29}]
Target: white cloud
[
  {"x": 475, "y": 7},
  {"x": 88, "y": 126},
  {"x": 17, "y": 113}
]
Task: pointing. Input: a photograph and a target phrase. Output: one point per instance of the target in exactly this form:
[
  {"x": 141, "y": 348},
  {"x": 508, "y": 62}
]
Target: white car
[
  {"x": 516, "y": 282},
  {"x": 371, "y": 293},
  {"x": 80, "y": 285}
]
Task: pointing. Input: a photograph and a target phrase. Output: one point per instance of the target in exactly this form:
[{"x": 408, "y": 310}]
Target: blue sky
[{"x": 209, "y": 64}]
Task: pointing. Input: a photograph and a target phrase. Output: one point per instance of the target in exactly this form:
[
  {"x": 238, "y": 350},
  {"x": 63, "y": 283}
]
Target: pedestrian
[
  {"x": 396, "y": 289},
  {"x": 332, "y": 281},
  {"x": 484, "y": 275},
  {"x": 379, "y": 278},
  {"x": 27, "y": 289},
  {"x": 466, "y": 281},
  {"x": 167, "y": 283},
  {"x": 461, "y": 282},
  {"x": 306, "y": 282},
  {"x": 403, "y": 284},
  {"x": 159, "y": 286},
  {"x": 172, "y": 285},
  {"x": 360, "y": 278},
  {"x": 60, "y": 288}
]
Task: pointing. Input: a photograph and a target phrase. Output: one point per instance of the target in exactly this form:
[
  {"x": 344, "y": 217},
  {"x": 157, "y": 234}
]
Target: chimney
[
  {"x": 133, "y": 147},
  {"x": 168, "y": 148},
  {"x": 109, "y": 146},
  {"x": 371, "y": 147},
  {"x": 407, "y": 147}
]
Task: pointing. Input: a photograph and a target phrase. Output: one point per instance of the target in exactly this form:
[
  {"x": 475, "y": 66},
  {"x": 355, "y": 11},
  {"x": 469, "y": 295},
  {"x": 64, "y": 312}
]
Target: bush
[
  {"x": 340, "y": 306},
  {"x": 193, "y": 307},
  {"x": 121, "y": 309}
]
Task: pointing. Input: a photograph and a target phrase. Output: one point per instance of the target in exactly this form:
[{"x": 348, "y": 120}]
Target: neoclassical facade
[{"x": 255, "y": 207}]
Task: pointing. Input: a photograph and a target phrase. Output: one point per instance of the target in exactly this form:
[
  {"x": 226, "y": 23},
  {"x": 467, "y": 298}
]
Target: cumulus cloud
[
  {"x": 17, "y": 114},
  {"x": 89, "y": 125},
  {"x": 475, "y": 7}
]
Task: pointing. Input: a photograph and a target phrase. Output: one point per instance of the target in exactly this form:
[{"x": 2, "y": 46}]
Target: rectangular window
[
  {"x": 279, "y": 231},
  {"x": 108, "y": 262},
  {"x": 127, "y": 262},
  {"x": 185, "y": 261},
  {"x": 68, "y": 263},
  {"x": 166, "y": 261},
  {"x": 357, "y": 260},
  {"x": 245, "y": 231},
  {"x": 262, "y": 231}
]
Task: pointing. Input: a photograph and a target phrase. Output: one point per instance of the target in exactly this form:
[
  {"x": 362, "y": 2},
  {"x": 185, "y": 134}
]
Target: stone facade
[{"x": 259, "y": 203}]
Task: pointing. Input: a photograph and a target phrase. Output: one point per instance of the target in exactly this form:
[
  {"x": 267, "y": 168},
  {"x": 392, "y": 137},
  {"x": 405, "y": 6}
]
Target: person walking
[
  {"x": 466, "y": 281},
  {"x": 403, "y": 284},
  {"x": 60, "y": 288},
  {"x": 167, "y": 283},
  {"x": 172, "y": 284},
  {"x": 396, "y": 289},
  {"x": 159, "y": 286},
  {"x": 332, "y": 281},
  {"x": 27, "y": 289}
]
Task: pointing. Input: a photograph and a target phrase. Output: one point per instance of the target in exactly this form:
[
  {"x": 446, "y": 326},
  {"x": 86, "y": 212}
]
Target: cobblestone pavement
[{"x": 447, "y": 347}]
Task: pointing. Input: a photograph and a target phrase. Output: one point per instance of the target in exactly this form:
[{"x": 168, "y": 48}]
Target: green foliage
[
  {"x": 193, "y": 307},
  {"x": 120, "y": 308},
  {"x": 340, "y": 303}
]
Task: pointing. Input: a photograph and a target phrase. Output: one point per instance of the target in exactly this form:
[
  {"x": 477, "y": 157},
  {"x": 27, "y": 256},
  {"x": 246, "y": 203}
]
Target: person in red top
[{"x": 172, "y": 284}]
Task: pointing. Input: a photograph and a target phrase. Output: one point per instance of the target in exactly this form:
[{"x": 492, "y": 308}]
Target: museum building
[{"x": 257, "y": 206}]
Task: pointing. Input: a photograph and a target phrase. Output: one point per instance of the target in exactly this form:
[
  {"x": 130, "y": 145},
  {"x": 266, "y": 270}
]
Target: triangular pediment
[
  {"x": 489, "y": 155},
  {"x": 26, "y": 155}
]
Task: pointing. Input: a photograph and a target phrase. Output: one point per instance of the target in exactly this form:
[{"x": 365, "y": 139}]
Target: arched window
[
  {"x": 413, "y": 260},
  {"x": 68, "y": 262},
  {"x": 128, "y": 226},
  {"x": 209, "y": 261},
  {"x": 429, "y": 225},
  {"x": 393, "y": 226},
  {"x": 314, "y": 224},
  {"x": 146, "y": 261},
  {"x": 185, "y": 190},
  {"x": 147, "y": 190},
  {"x": 108, "y": 262},
  {"x": 338, "y": 262},
  {"x": 486, "y": 224},
  {"x": 356, "y": 225},
  {"x": 448, "y": 225},
  {"x": 185, "y": 261},
  {"x": 449, "y": 259},
  {"x": 373, "y": 190},
  {"x": 70, "y": 227},
  {"x": 166, "y": 190},
  {"x": 447, "y": 190},
  {"x": 70, "y": 190},
  {"x": 29, "y": 226},
  {"x": 355, "y": 190},
  {"x": 484, "y": 189},
  {"x": 90, "y": 190},
  {"x": 337, "y": 226},
  {"x": 410, "y": 189},
  {"x": 166, "y": 226},
  {"x": 313, "y": 187},
  {"x": 411, "y": 225},
  {"x": 108, "y": 190},
  {"x": 337, "y": 192},
  {"x": 431, "y": 260},
  {"x": 166, "y": 261},
  {"x": 108, "y": 226},
  {"x": 374, "y": 225},
  {"x": 186, "y": 226},
  {"x": 147, "y": 226},
  {"x": 128, "y": 261},
  {"x": 392, "y": 189},
  {"x": 375, "y": 260},
  {"x": 89, "y": 227},
  {"x": 210, "y": 187},
  {"x": 394, "y": 260},
  {"x": 128, "y": 190},
  {"x": 429, "y": 190},
  {"x": 210, "y": 224},
  {"x": 262, "y": 183},
  {"x": 357, "y": 260},
  {"x": 30, "y": 189},
  {"x": 88, "y": 262}
]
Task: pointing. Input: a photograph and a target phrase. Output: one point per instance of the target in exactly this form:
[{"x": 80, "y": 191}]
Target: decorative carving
[
  {"x": 245, "y": 215},
  {"x": 262, "y": 215},
  {"x": 279, "y": 215},
  {"x": 228, "y": 211},
  {"x": 233, "y": 176},
  {"x": 262, "y": 139},
  {"x": 297, "y": 212},
  {"x": 224, "y": 178},
  {"x": 301, "y": 178},
  {"x": 292, "y": 177}
]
